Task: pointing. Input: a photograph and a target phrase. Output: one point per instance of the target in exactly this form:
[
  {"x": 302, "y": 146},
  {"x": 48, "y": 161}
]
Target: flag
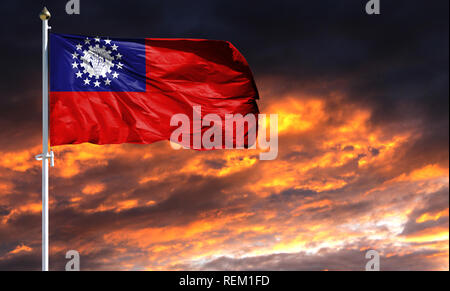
[{"x": 113, "y": 91}]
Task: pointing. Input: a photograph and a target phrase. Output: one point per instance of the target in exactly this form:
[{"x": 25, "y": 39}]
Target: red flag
[{"x": 112, "y": 91}]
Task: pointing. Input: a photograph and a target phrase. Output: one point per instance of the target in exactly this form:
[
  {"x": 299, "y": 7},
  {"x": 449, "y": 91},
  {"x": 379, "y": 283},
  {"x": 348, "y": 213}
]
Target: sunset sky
[{"x": 363, "y": 145}]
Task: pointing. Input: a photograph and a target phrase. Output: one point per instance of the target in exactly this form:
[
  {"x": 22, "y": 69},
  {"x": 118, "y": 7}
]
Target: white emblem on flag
[{"x": 98, "y": 62}]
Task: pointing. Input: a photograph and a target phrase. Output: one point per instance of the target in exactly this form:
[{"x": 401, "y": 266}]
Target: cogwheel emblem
[
  {"x": 97, "y": 61},
  {"x": 93, "y": 61}
]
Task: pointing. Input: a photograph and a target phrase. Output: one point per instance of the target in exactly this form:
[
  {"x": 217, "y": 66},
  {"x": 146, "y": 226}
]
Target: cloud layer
[{"x": 363, "y": 151}]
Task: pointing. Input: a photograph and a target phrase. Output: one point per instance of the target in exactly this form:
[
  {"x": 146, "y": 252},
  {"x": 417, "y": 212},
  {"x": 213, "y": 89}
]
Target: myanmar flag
[{"x": 112, "y": 91}]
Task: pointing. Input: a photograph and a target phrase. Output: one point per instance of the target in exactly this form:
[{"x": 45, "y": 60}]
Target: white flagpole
[{"x": 46, "y": 155}]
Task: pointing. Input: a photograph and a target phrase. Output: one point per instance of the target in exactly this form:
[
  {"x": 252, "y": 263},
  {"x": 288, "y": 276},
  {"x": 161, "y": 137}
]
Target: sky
[{"x": 363, "y": 158}]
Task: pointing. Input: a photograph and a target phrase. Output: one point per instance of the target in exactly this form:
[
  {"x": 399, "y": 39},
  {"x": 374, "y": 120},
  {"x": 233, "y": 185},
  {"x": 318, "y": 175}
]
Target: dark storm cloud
[
  {"x": 400, "y": 56},
  {"x": 21, "y": 262},
  {"x": 396, "y": 62},
  {"x": 180, "y": 199},
  {"x": 432, "y": 204},
  {"x": 326, "y": 259}
]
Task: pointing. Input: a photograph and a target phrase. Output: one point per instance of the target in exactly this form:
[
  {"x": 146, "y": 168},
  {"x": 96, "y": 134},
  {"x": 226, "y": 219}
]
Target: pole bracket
[{"x": 49, "y": 155}]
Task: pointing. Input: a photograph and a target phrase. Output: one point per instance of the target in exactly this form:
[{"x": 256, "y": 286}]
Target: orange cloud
[
  {"x": 93, "y": 189},
  {"x": 20, "y": 249},
  {"x": 432, "y": 216},
  {"x": 426, "y": 173},
  {"x": 20, "y": 161},
  {"x": 313, "y": 197},
  {"x": 296, "y": 116},
  {"x": 429, "y": 235}
]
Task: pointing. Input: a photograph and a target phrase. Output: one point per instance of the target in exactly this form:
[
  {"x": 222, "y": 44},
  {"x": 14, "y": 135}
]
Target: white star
[
  {"x": 115, "y": 75},
  {"x": 79, "y": 47},
  {"x": 120, "y": 65},
  {"x": 108, "y": 41},
  {"x": 74, "y": 65},
  {"x": 79, "y": 74},
  {"x": 97, "y": 39},
  {"x": 74, "y": 55},
  {"x": 119, "y": 56},
  {"x": 114, "y": 47},
  {"x": 87, "y": 81},
  {"x": 87, "y": 41},
  {"x": 96, "y": 84},
  {"x": 107, "y": 81}
]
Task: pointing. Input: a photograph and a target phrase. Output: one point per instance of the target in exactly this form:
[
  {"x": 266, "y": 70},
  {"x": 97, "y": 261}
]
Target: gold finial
[{"x": 45, "y": 14}]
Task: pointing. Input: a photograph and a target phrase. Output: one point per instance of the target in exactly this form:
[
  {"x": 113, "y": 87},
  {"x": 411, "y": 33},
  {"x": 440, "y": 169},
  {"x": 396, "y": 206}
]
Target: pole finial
[{"x": 45, "y": 14}]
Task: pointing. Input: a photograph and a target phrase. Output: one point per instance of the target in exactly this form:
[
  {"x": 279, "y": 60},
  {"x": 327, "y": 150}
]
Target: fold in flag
[{"x": 112, "y": 91}]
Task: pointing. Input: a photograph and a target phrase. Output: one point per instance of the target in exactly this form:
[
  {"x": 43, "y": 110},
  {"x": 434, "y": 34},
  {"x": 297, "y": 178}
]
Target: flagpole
[{"x": 46, "y": 155}]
